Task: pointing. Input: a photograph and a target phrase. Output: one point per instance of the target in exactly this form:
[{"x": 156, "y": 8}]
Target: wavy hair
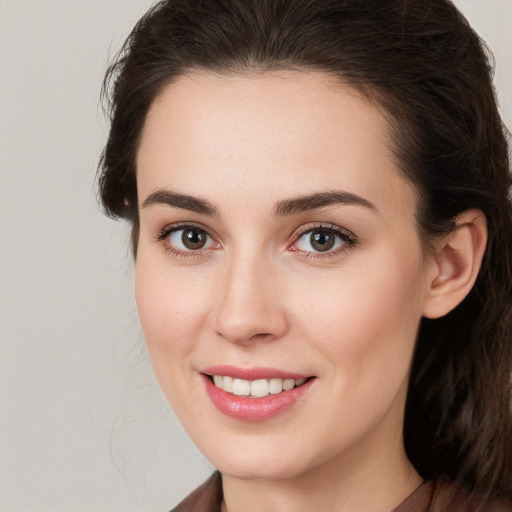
[{"x": 421, "y": 62}]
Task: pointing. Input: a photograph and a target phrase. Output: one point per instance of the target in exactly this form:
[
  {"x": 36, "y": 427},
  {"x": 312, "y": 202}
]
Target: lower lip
[{"x": 254, "y": 409}]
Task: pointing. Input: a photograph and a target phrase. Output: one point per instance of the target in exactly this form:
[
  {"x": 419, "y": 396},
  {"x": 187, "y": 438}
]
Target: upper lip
[{"x": 252, "y": 373}]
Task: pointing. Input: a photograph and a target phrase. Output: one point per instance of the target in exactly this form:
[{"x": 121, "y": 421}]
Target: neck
[
  {"x": 372, "y": 475},
  {"x": 376, "y": 488}
]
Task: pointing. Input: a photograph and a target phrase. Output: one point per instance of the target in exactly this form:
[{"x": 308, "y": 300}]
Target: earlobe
[{"x": 456, "y": 263}]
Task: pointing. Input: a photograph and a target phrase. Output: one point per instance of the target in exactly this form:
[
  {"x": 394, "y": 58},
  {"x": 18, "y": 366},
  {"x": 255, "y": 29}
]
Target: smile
[
  {"x": 256, "y": 388},
  {"x": 255, "y": 394}
]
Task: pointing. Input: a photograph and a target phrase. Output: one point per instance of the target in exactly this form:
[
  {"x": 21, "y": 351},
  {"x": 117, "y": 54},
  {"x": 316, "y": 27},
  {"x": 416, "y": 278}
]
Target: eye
[
  {"x": 186, "y": 239},
  {"x": 323, "y": 240},
  {"x": 189, "y": 239}
]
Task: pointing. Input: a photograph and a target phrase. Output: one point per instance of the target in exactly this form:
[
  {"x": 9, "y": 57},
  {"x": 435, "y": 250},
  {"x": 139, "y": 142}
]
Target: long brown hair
[{"x": 422, "y": 63}]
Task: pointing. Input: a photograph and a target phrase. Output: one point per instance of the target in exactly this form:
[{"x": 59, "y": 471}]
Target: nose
[{"x": 248, "y": 305}]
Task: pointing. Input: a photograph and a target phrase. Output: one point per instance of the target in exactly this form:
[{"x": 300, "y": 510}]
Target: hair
[{"x": 421, "y": 62}]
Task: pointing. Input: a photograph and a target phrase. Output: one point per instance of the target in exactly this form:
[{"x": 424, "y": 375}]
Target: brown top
[{"x": 436, "y": 496}]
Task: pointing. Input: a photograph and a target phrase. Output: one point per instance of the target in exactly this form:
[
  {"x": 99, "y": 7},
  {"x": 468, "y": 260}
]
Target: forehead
[{"x": 281, "y": 132}]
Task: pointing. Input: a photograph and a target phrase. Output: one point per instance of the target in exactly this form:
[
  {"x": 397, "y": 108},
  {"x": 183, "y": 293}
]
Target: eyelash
[
  {"x": 346, "y": 237},
  {"x": 170, "y": 229}
]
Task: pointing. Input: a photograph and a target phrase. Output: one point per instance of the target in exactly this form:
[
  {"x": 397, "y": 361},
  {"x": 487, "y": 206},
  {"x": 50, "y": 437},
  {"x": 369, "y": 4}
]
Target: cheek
[
  {"x": 170, "y": 319},
  {"x": 365, "y": 320},
  {"x": 168, "y": 308}
]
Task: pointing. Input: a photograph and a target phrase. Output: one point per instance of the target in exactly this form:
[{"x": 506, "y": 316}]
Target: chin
[
  {"x": 257, "y": 472},
  {"x": 262, "y": 463}
]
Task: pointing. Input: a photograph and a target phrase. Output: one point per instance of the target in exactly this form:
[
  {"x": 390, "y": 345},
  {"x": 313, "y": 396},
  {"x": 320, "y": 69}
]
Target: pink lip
[
  {"x": 253, "y": 409},
  {"x": 251, "y": 373}
]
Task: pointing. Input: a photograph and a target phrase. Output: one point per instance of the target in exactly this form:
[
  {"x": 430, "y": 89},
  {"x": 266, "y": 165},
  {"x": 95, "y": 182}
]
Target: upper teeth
[{"x": 255, "y": 388}]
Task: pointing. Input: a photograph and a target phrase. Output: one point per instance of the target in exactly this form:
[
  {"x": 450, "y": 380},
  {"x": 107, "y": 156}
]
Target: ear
[{"x": 455, "y": 264}]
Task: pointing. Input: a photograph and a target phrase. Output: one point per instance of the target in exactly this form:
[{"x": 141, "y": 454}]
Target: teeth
[
  {"x": 259, "y": 388},
  {"x": 288, "y": 384},
  {"x": 241, "y": 387},
  {"x": 227, "y": 384},
  {"x": 275, "y": 386},
  {"x": 255, "y": 388}
]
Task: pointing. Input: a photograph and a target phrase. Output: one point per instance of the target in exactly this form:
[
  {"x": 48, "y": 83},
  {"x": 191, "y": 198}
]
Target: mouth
[
  {"x": 258, "y": 388},
  {"x": 255, "y": 394}
]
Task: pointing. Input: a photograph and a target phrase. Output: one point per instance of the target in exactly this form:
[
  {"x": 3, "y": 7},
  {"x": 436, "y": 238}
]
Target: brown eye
[
  {"x": 194, "y": 239},
  {"x": 188, "y": 239},
  {"x": 324, "y": 240},
  {"x": 321, "y": 240}
]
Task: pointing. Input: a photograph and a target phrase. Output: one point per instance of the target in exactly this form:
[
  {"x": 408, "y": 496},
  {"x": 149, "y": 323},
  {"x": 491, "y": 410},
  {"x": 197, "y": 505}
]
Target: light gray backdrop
[{"x": 83, "y": 426}]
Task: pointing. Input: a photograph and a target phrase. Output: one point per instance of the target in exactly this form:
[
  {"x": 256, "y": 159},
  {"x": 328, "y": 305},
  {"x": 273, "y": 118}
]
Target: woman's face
[{"x": 278, "y": 247}]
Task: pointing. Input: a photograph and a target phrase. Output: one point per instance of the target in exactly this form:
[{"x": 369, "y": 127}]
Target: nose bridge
[{"x": 248, "y": 303}]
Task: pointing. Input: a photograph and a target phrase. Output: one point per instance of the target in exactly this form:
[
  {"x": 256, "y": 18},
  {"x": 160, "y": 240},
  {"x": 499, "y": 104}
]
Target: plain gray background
[{"x": 83, "y": 425}]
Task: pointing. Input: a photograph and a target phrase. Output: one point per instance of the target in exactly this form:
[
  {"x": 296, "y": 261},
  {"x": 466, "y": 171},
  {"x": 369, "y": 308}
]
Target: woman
[{"x": 318, "y": 192}]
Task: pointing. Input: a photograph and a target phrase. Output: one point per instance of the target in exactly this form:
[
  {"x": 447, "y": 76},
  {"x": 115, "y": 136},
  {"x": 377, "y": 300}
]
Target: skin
[{"x": 258, "y": 294}]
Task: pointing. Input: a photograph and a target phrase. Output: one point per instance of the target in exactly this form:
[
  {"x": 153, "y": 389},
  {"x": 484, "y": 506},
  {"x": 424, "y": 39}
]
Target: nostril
[
  {"x": 241, "y": 336},
  {"x": 261, "y": 335}
]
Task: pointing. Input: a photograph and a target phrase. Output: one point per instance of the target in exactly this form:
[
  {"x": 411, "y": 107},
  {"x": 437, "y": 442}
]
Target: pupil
[
  {"x": 322, "y": 241},
  {"x": 193, "y": 238}
]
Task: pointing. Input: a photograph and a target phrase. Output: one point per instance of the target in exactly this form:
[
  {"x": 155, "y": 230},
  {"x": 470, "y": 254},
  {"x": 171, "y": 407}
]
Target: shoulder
[
  {"x": 450, "y": 497},
  {"x": 443, "y": 496},
  {"x": 206, "y": 498}
]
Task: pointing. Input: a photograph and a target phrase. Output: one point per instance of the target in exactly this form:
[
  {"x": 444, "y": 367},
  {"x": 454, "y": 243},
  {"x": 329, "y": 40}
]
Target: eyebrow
[
  {"x": 282, "y": 208},
  {"x": 309, "y": 202},
  {"x": 184, "y": 201}
]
